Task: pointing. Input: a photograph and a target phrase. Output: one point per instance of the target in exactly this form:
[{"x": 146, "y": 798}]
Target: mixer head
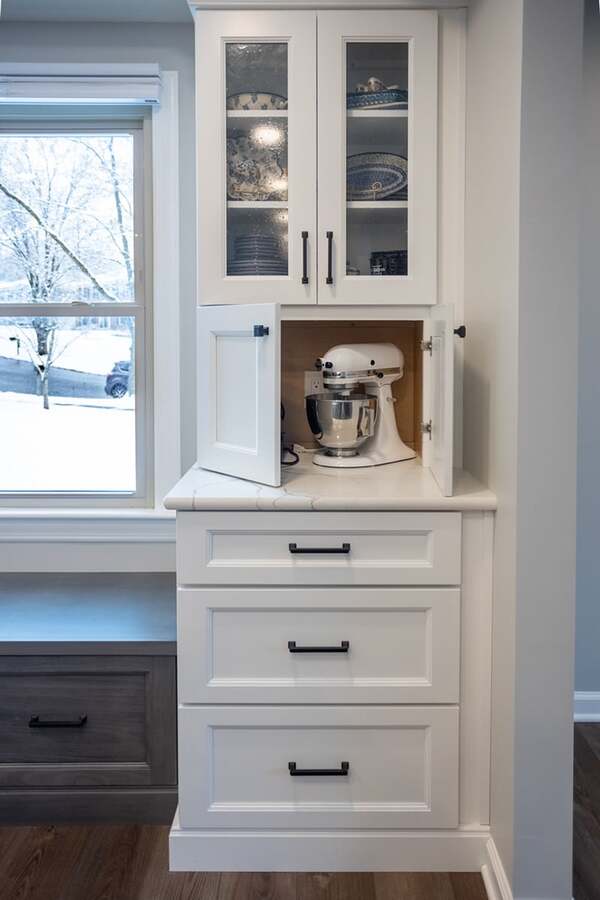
[{"x": 347, "y": 365}]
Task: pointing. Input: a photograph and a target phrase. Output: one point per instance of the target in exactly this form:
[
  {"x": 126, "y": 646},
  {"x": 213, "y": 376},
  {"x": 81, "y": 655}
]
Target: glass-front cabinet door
[
  {"x": 377, "y": 116},
  {"x": 256, "y": 103}
]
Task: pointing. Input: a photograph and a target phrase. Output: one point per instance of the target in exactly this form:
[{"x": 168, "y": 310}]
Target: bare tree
[{"x": 51, "y": 233}]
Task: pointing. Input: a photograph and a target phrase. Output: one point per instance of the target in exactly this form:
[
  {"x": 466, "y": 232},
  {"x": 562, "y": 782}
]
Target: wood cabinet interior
[{"x": 303, "y": 342}]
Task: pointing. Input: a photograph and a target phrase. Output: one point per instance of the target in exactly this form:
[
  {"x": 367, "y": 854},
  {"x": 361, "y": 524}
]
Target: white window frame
[
  {"x": 66, "y": 526},
  {"x": 140, "y": 309}
]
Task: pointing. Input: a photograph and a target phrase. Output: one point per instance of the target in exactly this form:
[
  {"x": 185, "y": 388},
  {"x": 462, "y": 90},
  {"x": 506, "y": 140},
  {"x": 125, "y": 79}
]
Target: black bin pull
[
  {"x": 343, "y": 770},
  {"x": 294, "y": 548},
  {"x": 36, "y": 722},
  {"x": 343, "y": 647},
  {"x": 305, "y": 257}
]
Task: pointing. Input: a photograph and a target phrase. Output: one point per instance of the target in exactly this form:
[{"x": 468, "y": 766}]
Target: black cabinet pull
[
  {"x": 342, "y": 648},
  {"x": 294, "y": 548},
  {"x": 36, "y": 722},
  {"x": 461, "y": 331},
  {"x": 343, "y": 770},
  {"x": 329, "y": 279},
  {"x": 260, "y": 331},
  {"x": 305, "y": 257}
]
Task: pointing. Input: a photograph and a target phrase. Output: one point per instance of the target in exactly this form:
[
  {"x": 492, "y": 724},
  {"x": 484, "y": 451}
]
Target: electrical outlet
[{"x": 313, "y": 383}]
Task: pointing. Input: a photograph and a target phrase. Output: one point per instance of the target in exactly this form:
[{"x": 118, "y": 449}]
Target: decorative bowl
[
  {"x": 375, "y": 176},
  {"x": 256, "y": 100},
  {"x": 254, "y": 172},
  {"x": 390, "y": 98}
]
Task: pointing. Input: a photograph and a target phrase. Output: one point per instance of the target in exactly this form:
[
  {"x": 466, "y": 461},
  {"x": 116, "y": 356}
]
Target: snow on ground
[
  {"x": 76, "y": 445},
  {"x": 95, "y": 351}
]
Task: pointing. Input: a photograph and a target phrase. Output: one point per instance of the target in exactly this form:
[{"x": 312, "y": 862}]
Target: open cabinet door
[
  {"x": 239, "y": 391},
  {"x": 438, "y": 372}
]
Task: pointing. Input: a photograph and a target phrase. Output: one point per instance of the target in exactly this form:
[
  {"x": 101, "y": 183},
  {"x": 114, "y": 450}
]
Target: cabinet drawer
[
  {"x": 377, "y": 645},
  {"x": 417, "y": 548},
  {"x": 234, "y": 769},
  {"x": 87, "y": 721}
]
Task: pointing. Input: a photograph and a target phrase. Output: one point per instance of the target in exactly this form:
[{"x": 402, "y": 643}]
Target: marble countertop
[{"x": 398, "y": 486}]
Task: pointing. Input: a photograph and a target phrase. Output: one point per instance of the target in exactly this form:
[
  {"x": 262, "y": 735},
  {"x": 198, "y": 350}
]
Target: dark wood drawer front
[
  {"x": 119, "y": 715},
  {"x": 114, "y": 729}
]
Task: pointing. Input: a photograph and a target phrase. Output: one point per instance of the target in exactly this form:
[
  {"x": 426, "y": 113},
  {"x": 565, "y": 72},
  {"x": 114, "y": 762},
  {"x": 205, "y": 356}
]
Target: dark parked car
[{"x": 117, "y": 381}]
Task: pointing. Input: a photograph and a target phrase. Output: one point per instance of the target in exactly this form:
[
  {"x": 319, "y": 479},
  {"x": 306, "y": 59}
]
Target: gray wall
[
  {"x": 522, "y": 271},
  {"x": 172, "y": 46},
  {"x": 587, "y": 656}
]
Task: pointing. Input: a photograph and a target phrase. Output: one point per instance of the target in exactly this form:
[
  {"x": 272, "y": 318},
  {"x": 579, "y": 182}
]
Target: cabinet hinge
[
  {"x": 427, "y": 346},
  {"x": 426, "y": 428}
]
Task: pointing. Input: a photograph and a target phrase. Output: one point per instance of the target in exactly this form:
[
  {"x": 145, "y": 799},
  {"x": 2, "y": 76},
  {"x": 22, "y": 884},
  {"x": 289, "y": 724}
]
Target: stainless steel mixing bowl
[{"x": 341, "y": 421}]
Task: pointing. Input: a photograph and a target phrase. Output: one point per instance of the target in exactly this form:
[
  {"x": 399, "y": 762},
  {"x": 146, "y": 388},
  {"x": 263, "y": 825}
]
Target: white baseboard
[
  {"x": 494, "y": 876},
  {"x": 586, "y": 707},
  {"x": 456, "y": 850}
]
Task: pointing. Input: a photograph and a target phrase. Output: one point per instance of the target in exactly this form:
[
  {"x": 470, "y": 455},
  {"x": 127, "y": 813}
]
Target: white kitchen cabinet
[
  {"x": 239, "y": 396},
  {"x": 346, "y": 218},
  {"x": 376, "y": 220}
]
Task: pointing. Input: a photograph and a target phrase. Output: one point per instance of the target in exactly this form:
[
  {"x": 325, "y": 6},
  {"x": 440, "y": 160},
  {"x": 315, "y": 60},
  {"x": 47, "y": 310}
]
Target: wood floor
[
  {"x": 586, "y": 817},
  {"x": 121, "y": 862}
]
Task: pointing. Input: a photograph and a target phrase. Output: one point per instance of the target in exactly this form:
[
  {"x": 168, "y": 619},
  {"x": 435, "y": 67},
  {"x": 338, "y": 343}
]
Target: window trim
[{"x": 77, "y": 520}]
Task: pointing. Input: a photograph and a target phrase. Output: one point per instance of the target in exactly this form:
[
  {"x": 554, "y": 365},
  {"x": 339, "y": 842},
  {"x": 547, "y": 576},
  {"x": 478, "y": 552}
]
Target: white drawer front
[
  {"x": 402, "y": 767},
  {"x": 402, "y": 645},
  {"x": 417, "y": 548}
]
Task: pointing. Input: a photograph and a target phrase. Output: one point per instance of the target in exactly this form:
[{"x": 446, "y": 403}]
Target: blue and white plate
[
  {"x": 375, "y": 176},
  {"x": 394, "y": 98}
]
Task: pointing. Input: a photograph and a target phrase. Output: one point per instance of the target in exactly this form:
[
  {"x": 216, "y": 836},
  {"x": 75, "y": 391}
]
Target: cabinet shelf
[
  {"x": 377, "y": 113},
  {"x": 257, "y": 113},
  {"x": 377, "y": 204},
  {"x": 257, "y": 204}
]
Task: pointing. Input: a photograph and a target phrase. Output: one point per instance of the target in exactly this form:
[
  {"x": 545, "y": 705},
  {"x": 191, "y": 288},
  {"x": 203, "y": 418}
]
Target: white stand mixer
[{"x": 344, "y": 420}]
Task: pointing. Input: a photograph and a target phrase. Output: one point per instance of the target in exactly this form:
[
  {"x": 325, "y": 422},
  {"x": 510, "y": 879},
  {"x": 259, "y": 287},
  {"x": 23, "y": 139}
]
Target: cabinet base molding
[
  {"x": 460, "y": 850},
  {"x": 144, "y": 806},
  {"x": 493, "y": 874}
]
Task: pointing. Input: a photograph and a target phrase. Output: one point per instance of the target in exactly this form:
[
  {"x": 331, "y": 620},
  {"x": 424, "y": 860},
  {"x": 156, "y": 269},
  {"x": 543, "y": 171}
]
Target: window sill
[{"x": 83, "y": 526}]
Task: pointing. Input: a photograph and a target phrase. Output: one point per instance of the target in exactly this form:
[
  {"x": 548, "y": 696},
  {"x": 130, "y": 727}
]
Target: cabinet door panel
[
  {"x": 256, "y": 156},
  {"x": 438, "y": 395},
  {"x": 238, "y": 391},
  {"x": 377, "y": 156}
]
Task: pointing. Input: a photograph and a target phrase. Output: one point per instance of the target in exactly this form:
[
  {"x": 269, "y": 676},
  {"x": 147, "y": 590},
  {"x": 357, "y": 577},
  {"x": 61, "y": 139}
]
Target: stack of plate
[{"x": 257, "y": 254}]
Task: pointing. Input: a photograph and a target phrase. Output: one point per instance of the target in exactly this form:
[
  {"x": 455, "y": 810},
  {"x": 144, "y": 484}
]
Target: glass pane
[
  {"x": 256, "y": 76},
  {"x": 377, "y": 159},
  {"x": 257, "y": 241},
  {"x": 66, "y": 218},
  {"x": 67, "y": 404},
  {"x": 257, "y": 159}
]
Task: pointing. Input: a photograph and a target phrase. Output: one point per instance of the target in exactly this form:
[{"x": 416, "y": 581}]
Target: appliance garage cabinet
[{"x": 334, "y": 603}]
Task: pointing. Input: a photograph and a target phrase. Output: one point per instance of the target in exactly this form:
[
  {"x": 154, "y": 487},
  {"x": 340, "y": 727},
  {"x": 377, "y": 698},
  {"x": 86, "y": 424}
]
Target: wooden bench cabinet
[{"x": 87, "y": 698}]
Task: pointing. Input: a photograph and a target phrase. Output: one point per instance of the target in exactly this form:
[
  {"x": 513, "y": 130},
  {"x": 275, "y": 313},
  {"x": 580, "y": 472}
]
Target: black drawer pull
[
  {"x": 294, "y": 548},
  {"x": 343, "y": 648},
  {"x": 343, "y": 770},
  {"x": 36, "y": 722}
]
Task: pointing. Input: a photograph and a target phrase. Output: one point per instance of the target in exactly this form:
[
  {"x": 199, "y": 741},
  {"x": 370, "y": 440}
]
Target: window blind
[{"x": 132, "y": 83}]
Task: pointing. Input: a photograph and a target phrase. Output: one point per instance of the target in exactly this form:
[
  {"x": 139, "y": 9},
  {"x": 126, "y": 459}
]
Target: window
[{"x": 74, "y": 360}]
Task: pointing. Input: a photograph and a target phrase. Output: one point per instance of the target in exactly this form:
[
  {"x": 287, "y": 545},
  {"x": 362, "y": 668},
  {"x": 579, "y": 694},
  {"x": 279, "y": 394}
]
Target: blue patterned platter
[
  {"x": 388, "y": 99},
  {"x": 375, "y": 176}
]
